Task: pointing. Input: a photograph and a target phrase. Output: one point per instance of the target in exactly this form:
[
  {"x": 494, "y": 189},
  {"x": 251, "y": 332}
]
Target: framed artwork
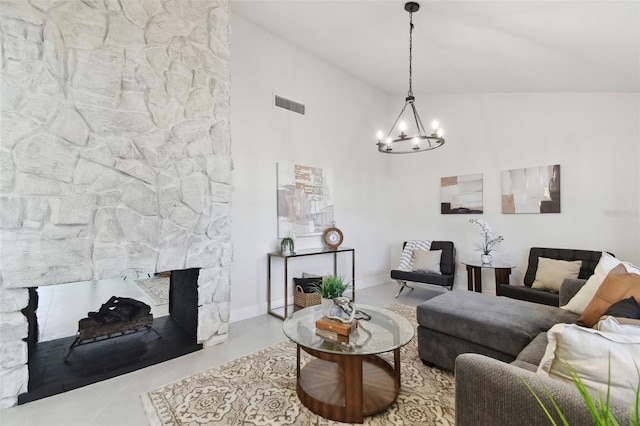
[
  {"x": 305, "y": 200},
  {"x": 531, "y": 190},
  {"x": 461, "y": 194}
]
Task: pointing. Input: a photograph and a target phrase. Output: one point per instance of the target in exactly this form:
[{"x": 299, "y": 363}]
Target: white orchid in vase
[{"x": 489, "y": 240}]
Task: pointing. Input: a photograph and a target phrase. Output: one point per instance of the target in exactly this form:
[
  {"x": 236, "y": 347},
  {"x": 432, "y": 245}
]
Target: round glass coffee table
[{"x": 348, "y": 380}]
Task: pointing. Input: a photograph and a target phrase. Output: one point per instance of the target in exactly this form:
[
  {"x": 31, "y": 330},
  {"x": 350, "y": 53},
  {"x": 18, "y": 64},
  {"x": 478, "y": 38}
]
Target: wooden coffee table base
[{"x": 345, "y": 387}]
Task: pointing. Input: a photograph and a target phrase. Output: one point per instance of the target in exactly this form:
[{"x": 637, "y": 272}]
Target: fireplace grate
[{"x": 118, "y": 317}]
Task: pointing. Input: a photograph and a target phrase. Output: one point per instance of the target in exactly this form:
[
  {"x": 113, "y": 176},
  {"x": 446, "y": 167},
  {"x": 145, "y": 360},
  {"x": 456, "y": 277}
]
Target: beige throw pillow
[
  {"x": 427, "y": 261},
  {"x": 589, "y": 351},
  {"x": 552, "y": 272},
  {"x": 619, "y": 325},
  {"x": 620, "y": 320}
]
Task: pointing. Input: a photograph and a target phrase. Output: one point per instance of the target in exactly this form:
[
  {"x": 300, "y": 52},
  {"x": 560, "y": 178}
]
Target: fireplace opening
[{"x": 57, "y": 365}]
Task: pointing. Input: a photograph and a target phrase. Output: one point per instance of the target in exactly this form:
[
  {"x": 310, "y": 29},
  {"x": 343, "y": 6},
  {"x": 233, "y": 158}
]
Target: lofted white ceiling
[{"x": 466, "y": 46}]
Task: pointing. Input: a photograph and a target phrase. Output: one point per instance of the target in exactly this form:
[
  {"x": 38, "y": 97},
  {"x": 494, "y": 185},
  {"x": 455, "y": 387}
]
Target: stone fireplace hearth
[{"x": 114, "y": 154}]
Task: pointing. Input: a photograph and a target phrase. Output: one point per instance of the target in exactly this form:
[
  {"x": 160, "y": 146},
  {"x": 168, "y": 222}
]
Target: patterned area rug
[
  {"x": 156, "y": 288},
  {"x": 260, "y": 389}
]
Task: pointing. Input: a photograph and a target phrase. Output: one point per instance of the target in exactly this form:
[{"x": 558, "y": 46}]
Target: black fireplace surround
[{"x": 50, "y": 374}]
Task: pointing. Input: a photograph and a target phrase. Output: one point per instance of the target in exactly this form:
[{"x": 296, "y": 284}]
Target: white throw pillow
[
  {"x": 613, "y": 325},
  {"x": 579, "y": 302},
  {"x": 551, "y": 273},
  {"x": 427, "y": 261},
  {"x": 588, "y": 351}
]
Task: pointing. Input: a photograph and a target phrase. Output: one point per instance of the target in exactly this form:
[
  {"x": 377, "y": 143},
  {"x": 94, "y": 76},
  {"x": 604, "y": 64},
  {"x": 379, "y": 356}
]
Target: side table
[{"x": 474, "y": 274}]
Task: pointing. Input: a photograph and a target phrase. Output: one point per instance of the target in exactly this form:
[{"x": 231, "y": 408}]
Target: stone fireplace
[{"x": 114, "y": 154}]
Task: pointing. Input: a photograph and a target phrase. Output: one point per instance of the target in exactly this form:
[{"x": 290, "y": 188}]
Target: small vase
[
  {"x": 287, "y": 246},
  {"x": 486, "y": 259},
  {"x": 327, "y": 305}
]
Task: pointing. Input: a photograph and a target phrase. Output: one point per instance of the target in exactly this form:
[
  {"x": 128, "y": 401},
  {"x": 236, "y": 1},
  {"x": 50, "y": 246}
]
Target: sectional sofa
[
  {"x": 490, "y": 390},
  {"x": 493, "y": 343}
]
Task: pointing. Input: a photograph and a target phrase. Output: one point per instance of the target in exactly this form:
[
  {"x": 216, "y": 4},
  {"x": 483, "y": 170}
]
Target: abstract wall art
[
  {"x": 305, "y": 200},
  {"x": 531, "y": 190},
  {"x": 461, "y": 194}
]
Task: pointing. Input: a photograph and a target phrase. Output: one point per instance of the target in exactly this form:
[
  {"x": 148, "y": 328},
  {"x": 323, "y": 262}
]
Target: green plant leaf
[
  {"x": 541, "y": 404},
  {"x": 332, "y": 287},
  {"x": 635, "y": 408},
  {"x": 599, "y": 408}
]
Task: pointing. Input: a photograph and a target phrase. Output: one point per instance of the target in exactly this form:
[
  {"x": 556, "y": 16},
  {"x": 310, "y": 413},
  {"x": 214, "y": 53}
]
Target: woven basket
[{"x": 304, "y": 300}]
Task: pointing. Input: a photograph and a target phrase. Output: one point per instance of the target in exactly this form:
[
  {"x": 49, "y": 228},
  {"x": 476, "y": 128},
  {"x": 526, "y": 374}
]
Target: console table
[
  {"x": 474, "y": 274},
  {"x": 301, "y": 253}
]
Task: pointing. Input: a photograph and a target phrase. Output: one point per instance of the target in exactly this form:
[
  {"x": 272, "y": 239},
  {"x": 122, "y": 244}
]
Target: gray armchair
[{"x": 447, "y": 267}]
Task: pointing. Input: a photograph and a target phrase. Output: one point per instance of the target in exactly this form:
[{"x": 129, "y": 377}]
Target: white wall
[
  {"x": 382, "y": 200},
  {"x": 594, "y": 137},
  {"x": 337, "y": 132}
]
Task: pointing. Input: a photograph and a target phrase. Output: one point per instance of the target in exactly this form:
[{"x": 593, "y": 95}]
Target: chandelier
[{"x": 420, "y": 140}]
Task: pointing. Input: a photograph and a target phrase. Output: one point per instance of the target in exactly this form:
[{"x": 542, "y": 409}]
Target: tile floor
[{"x": 117, "y": 401}]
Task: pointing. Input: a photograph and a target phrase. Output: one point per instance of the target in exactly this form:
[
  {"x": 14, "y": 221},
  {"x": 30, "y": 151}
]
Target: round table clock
[{"x": 332, "y": 237}]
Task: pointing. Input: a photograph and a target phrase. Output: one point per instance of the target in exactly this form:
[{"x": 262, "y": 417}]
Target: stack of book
[{"x": 335, "y": 330}]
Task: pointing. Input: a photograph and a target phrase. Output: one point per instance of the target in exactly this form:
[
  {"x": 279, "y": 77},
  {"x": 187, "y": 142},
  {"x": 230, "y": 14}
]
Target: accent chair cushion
[
  {"x": 408, "y": 248},
  {"x": 427, "y": 261},
  {"x": 618, "y": 285},
  {"x": 423, "y": 277},
  {"x": 551, "y": 273},
  {"x": 589, "y": 352}
]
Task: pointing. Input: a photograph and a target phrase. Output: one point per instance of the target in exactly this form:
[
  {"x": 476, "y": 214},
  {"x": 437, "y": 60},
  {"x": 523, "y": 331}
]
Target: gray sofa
[
  {"x": 460, "y": 322},
  {"x": 491, "y": 392},
  {"x": 477, "y": 335}
]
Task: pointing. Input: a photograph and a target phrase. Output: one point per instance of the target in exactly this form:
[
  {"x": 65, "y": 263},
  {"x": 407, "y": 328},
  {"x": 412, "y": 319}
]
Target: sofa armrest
[
  {"x": 569, "y": 288},
  {"x": 491, "y": 392}
]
